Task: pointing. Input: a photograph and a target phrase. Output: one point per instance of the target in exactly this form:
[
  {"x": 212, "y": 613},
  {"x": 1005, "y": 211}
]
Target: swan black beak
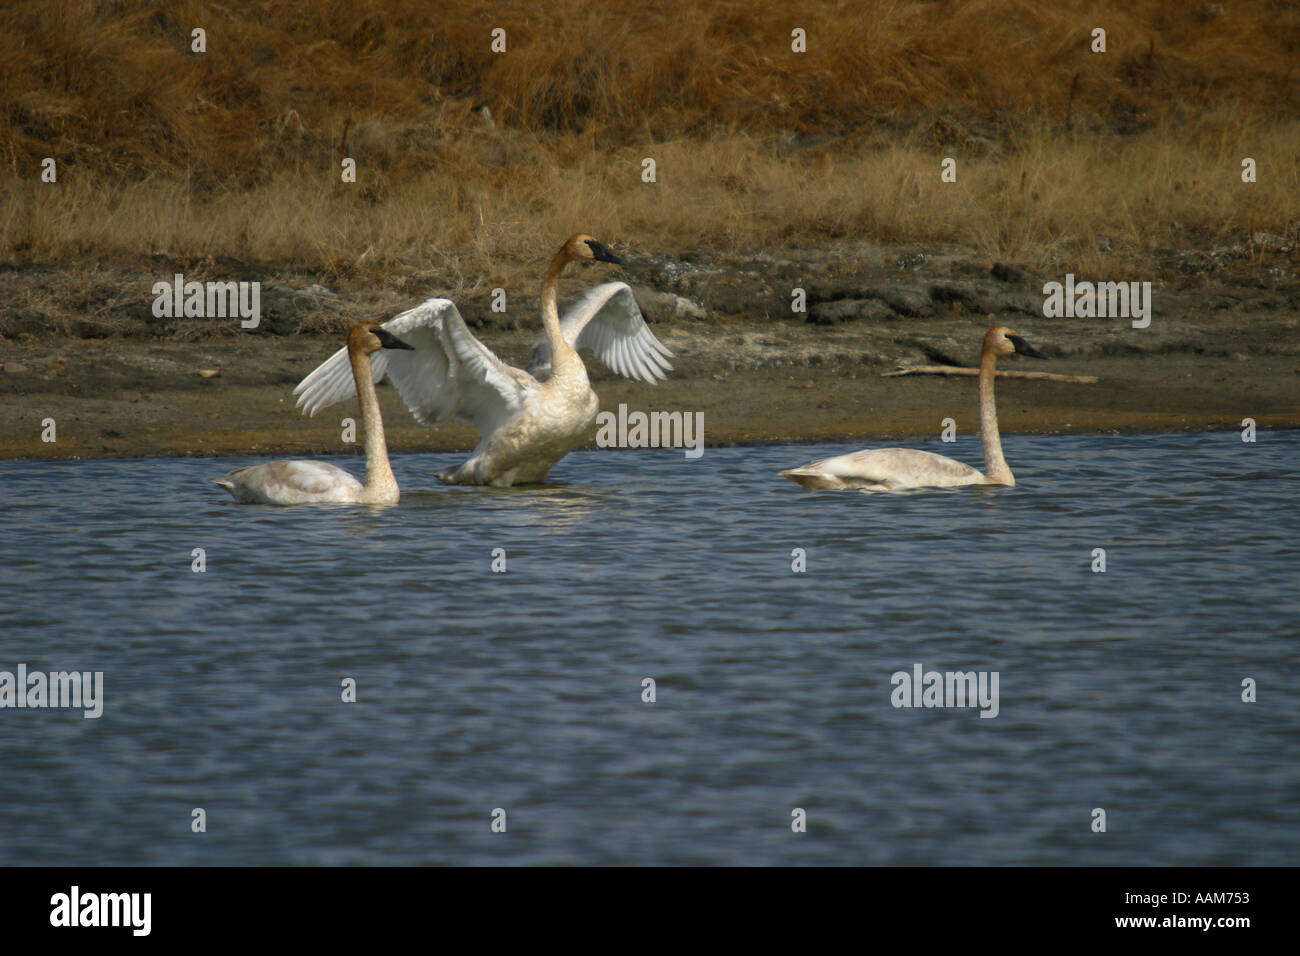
[
  {"x": 1024, "y": 348},
  {"x": 390, "y": 341},
  {"x": 601, "y": 254}
]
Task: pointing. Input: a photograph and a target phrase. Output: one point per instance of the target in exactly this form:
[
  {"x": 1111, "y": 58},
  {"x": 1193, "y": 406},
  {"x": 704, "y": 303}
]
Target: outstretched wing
[
  {"x": 448, "y": 373},
  {"x": 608, "y": 321}
]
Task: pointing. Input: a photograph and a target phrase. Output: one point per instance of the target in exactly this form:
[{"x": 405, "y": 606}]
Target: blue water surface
[{"x": 523, "y": 691}]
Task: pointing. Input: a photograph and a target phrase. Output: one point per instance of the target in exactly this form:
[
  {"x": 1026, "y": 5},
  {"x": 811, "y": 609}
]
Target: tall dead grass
[{"x": 235, "y": 152}]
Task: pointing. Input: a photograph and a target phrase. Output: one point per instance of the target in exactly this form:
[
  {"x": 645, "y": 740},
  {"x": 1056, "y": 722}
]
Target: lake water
[{"x": 523, "y": 690}]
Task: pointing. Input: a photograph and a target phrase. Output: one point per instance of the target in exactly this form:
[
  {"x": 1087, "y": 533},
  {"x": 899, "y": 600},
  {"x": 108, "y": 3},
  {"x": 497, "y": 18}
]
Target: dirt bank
[{"x": 81, "y": 346}]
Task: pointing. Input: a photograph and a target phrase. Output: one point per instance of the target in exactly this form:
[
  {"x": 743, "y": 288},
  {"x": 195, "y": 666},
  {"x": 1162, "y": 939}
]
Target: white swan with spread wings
[{"x": 528, "y": 420}]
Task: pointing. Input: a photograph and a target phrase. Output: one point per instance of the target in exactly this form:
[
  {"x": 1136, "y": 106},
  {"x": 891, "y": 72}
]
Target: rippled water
[{"x": 522, "y": 690}]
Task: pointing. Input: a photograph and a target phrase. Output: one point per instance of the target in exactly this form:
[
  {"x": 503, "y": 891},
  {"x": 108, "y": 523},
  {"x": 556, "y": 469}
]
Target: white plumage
[
  {"x": 528, "y": 420},
  {"x": 317, "y": 482},
  {"x": 449, "y": 374},
  {"x": 885, "y": 469},
  {"x": 607, "y": 321},
  {"x": 901, "y": 469},
  {"x": 292, "y": 483}
]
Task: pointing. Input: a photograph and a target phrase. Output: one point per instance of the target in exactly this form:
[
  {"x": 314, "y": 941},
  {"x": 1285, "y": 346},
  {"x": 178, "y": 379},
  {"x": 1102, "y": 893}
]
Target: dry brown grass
[{"x": 235, "y": 152}]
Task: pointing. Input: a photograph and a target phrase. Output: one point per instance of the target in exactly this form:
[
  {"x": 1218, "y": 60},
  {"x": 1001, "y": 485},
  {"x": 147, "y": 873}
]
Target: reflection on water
[{"x": 523, "y": 690}]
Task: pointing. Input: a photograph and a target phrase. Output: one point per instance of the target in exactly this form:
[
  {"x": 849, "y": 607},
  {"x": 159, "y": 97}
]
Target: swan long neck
[
  {"x": 996, "y": 471},
  {"x": 379, "y": 473},
  {"x": 561, "y": 352}
]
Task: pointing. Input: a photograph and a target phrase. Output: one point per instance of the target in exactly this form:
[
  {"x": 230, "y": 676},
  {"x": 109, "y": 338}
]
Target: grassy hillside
[{"x": 236, "y": 151}]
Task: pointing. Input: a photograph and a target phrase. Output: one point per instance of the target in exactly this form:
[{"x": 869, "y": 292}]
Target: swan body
[
  {"x": 316, "y": 482},
  {"x": 530, "y": 419},
  {"x": 292, "y": 483},
  {"x": 885, "y": 469},
  {"x": 900, "y": 469}
]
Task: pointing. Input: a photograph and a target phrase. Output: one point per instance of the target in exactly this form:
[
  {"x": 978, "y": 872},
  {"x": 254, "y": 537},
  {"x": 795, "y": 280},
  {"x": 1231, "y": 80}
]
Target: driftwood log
[{"x": 958, "y": 370}]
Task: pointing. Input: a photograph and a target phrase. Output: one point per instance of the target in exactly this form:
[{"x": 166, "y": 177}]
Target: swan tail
[{"x": 810, "y": 478}]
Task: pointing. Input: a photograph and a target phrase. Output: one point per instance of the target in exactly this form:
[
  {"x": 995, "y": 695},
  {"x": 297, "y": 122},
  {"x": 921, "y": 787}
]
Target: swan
[
  {"x": 897, "y": 469},
  {"x": 527, "y": 420},
  {"x": 316, "y": 482}
]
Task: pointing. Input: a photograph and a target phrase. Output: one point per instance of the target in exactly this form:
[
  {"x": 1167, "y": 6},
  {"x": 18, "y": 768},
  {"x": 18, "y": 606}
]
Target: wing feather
[
  {"x": 449, "y": 373},
  {"x": 608, "y": 321}
]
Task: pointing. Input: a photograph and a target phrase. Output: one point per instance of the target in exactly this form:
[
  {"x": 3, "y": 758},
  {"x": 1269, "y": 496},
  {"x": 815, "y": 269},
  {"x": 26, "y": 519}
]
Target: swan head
[
  {"x": 370, "y": 337},
  {"x": 1005, "y": 341},
  {"x": 581, "y": 246}
]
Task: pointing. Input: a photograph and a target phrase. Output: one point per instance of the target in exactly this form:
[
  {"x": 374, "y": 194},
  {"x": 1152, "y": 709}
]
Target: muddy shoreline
[{"x": 83, "y": 348}]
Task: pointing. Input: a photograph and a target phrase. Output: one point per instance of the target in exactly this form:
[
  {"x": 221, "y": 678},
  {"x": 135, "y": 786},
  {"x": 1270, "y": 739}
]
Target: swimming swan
[
  {"x": 528, "y": 420},
  {"x": 896, "y": 469},
  {"x": 316, "y": 482}
]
